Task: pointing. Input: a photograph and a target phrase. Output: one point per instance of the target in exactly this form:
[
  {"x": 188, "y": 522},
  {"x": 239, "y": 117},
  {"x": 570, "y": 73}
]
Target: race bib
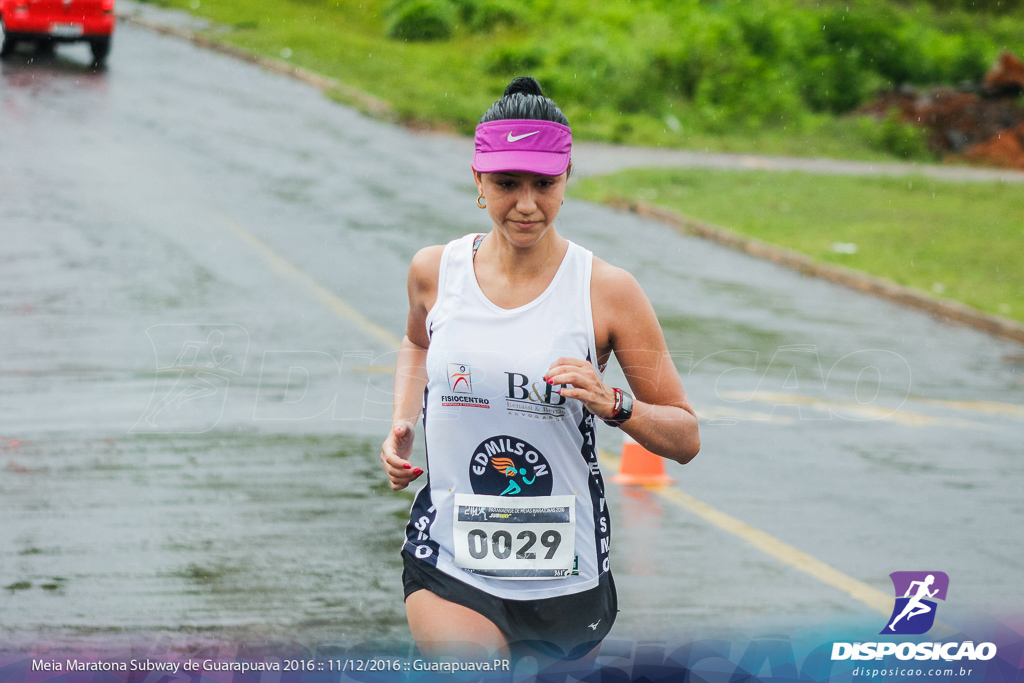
[{"x": 515, "y": 538}]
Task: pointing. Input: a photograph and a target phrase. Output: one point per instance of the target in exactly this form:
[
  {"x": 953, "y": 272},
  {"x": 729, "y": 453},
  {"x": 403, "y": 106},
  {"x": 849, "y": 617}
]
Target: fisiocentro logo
[{"x": 914, "y": 614}]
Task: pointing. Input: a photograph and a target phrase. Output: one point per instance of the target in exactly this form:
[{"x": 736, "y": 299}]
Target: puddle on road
[{"x": 234, "y": 536}]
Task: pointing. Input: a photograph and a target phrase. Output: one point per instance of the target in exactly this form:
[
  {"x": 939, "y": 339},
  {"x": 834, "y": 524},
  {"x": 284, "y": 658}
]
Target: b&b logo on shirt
[
  {"x": 506, "y": 466},
  {"x": 536, "y": 400}
]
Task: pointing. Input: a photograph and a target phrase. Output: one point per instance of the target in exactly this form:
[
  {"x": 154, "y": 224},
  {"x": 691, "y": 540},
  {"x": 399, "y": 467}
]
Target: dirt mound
[
  {"x": 1005, "y": 149},
  {"x": 1006, "y": 78},
  {"x": 983, "y": 126}
]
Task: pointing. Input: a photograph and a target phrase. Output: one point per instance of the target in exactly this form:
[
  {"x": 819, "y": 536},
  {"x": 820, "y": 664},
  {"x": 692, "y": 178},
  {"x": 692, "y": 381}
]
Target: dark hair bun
[
  {"x": 524, "y": 85},
  {"x": 523, "y": 99}
]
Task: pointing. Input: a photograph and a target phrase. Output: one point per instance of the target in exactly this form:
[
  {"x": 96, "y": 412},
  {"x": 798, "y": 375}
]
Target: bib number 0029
[
  {"x": 500, "y": 544},
  {"x": 525, "y": 538}
]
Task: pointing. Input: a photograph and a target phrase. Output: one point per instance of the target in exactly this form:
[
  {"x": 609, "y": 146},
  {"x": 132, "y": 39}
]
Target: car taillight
[{"x": 108, "y": 6}]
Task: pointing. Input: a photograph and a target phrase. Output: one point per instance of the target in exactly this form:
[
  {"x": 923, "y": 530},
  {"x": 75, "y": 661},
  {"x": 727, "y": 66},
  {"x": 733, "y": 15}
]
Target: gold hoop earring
[{"x": 483, "y": 205}]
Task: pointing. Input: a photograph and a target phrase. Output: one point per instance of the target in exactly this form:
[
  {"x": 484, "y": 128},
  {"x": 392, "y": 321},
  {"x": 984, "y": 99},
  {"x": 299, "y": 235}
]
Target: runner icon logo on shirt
[{"x": 506, "y": 466}]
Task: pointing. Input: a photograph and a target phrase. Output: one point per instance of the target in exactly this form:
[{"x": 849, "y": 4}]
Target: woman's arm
[
  {"x": 411, "y": 370},
  {"x": 663, "y": 420}
]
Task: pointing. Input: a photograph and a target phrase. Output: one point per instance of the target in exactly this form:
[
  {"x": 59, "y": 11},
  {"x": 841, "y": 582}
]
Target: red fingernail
[
  {"x": 417, "y": 471},
  {"x": 407, "y": 466},
  {"x": 551, "y": 381}
]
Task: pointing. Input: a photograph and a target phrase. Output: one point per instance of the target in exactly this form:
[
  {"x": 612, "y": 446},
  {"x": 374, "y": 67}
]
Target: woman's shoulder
[
  {"x": 423, "y": 271},
  {"x": 620, "y": 308},
  {"x": 427, "y": 259},
  {"x": 613, "y": 286}
]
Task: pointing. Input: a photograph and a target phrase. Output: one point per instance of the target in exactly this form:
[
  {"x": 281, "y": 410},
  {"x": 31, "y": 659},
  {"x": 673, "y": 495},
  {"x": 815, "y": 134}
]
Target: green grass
[
  {"x": 961, "y": 241},
  {"x": 707, "y": 76}
]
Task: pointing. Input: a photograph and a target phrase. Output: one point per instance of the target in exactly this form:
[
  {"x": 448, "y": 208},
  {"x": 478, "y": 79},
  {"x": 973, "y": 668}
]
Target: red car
[{"x": 46, "y": 22}]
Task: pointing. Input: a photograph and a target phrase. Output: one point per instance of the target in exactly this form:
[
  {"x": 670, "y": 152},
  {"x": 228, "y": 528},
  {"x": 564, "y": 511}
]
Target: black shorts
[{"x": 563, "y": 627}]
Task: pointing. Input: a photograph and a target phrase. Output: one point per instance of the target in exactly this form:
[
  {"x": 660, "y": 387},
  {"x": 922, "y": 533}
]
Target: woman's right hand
[{"x": 395, "y": 455}]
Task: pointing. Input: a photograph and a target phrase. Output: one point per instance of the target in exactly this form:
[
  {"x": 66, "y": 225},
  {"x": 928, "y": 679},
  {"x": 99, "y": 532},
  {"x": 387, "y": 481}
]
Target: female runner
[{"x": 508, "y": 335}]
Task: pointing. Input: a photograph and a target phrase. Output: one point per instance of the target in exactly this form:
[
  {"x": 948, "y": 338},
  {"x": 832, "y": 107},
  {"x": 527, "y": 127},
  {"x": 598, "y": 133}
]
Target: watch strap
[{"x": 623, "y": 408}]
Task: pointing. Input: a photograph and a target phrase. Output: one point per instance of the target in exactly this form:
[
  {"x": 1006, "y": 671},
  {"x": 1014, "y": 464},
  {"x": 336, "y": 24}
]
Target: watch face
[{"x": 626, "y": 411}]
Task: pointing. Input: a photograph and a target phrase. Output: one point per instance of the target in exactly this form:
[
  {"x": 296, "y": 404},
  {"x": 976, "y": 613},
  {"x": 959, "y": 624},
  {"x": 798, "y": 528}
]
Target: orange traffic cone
[{"x": 639, "y": 467}]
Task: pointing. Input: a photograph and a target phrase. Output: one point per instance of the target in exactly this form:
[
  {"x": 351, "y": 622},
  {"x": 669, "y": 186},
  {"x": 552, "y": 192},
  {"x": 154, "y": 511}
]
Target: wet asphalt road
[{"x": 190, "y": 415}]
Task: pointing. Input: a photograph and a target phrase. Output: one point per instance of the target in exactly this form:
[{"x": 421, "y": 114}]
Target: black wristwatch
[{"x": 623, "y": 408}]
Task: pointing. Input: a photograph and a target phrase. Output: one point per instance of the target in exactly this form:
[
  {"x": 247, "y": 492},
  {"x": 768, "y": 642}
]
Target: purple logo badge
[{"x": 916, "y": 592}]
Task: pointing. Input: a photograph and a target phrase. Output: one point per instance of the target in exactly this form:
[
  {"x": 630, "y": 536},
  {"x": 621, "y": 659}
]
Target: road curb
[
  {"x": 886, "y": 289},
  {"x": 376, "y": 107}
]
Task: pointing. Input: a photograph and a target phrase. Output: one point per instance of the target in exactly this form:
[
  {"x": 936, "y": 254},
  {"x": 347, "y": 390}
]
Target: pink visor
[{"x": 540, "y": 147}]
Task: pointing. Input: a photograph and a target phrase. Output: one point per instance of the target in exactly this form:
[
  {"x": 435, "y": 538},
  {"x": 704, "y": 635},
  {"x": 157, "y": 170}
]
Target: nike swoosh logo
[{"x": 513, "y": 138}]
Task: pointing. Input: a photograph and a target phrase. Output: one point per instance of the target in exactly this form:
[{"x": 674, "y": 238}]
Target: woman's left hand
[{"x": 583, "y": 383}]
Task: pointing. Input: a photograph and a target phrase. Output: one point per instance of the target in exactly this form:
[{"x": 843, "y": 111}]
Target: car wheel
[
  {"x": 100, "y": 50},
  {"x": 9, "y": 46}
]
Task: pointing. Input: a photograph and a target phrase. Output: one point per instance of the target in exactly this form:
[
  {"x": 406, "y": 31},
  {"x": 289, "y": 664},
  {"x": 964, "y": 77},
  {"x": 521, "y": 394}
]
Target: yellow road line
[
  {"x": 373, "y": 369},
  {"x": 325, "y": 296},
  {"x": 731, "y": 414},
  {"x": 343, "y": 310},
  {"x": 866, "y": 411},
  {"x": 987, "y": 407},
  {"x": 785, "y": 553}
]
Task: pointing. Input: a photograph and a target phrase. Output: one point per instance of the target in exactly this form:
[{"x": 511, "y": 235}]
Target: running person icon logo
[
  {"x": 914, "y": 612},
  {"x": 194, "y": 368},
  {"x": 506, "y": 466}
]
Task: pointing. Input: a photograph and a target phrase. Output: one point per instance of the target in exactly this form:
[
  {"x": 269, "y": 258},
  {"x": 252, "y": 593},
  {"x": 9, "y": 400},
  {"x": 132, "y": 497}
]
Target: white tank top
[{"x": 512, "y": 465}]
